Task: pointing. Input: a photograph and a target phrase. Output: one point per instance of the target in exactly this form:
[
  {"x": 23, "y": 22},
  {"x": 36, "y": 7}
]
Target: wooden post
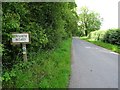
[
  {"x": 24, "y": 52},
  {"x": 21, "y": 38}
]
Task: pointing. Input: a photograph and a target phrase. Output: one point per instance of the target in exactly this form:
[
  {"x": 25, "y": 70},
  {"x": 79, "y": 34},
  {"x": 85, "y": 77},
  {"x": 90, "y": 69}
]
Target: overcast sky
[{"x": 108, "y": 10}]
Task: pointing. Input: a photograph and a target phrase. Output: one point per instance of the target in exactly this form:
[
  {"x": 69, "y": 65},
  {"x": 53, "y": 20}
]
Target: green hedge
[
  {"x": 110, "y": 36},
  {"x": 48, "y": 24},
  {"x": 97, "y": 35}
]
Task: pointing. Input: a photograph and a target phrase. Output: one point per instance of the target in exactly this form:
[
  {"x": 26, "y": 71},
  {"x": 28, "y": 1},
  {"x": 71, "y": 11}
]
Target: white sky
[{"x": 108, "y": 10}]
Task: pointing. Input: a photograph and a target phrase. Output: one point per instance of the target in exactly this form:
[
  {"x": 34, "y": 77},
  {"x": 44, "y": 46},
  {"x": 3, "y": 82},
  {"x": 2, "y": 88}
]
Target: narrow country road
[{"x": 93, "y": 66}]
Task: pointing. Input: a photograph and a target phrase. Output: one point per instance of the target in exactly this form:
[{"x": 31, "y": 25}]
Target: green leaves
[
  {"x": 97, "y": 35},
  {"x": 110, "y": 36},
  {"x": 1, "y": 49},
  {"x": 89, "y": 21},
  {"x": 8, "y": 76},
  {"x": 48, "y": 24}
]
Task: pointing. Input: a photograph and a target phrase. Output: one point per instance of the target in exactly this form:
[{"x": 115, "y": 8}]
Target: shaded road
[{"x": 93, "y": 66}]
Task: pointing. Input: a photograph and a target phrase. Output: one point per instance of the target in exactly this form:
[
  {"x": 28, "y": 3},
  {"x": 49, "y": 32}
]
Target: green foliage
[
  {"x": 12, "y": 18},
  {"x": 109, "y": 46},
  {"x": 46, "y": 69},
  {"x": 109, "y": 39},
  {"x": 48, "y": 24},
  {"x": 89, "y": 21},
  {"x": 1, "y": 49},
  {"x": 97, "y": 35},
  {"x": 110, "y": 36},
  {"x": 8, "y": 75}
]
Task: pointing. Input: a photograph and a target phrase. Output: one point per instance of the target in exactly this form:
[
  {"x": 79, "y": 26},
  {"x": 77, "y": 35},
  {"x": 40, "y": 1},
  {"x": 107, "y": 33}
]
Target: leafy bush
[
  {"x": 110, "y": 36},
  {"x": 48, "y": 24},
  {"x": 97, "y": 35}
]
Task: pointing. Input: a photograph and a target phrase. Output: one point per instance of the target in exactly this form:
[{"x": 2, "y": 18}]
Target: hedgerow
[
  {"x": 97, "y": 35},
  {"x": 110, "y": 36},
  {"x": 48, "y": 24}
]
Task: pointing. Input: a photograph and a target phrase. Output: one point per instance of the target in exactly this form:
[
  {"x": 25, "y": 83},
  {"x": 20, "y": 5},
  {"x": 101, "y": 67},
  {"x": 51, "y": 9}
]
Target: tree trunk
[
  {"x": 86, "y": 28},
  {"x": 86, "y": 33}
]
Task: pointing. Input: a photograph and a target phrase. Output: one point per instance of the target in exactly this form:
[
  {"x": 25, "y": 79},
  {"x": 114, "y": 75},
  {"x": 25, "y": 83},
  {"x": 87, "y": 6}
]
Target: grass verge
[
  {"x": 47, "y": 69},
  {"x": 111, "y": 47}
]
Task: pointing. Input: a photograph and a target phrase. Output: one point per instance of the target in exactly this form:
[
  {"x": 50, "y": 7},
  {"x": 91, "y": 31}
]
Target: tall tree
[{"x": 89, "y": 21}]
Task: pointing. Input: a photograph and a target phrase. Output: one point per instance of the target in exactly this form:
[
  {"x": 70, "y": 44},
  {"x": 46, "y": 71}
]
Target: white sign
[{"x": 20, "y": 38}]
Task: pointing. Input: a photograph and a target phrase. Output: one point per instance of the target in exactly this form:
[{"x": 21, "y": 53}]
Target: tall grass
[{"x": 47, "y": 69}]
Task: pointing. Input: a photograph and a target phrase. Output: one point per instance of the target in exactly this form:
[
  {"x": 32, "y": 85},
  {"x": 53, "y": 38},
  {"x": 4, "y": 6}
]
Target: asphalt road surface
[{"x": 93, "y": 66}]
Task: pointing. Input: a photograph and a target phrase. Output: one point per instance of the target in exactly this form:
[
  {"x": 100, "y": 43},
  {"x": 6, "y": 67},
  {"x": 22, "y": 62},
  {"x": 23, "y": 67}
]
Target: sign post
[
  {"x": 24, "y": 52},
  {"x": 22, "y": 38}
]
